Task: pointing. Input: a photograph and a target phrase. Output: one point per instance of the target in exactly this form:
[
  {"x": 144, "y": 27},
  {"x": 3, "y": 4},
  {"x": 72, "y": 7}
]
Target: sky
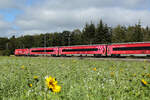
[{"x": 27, "y": 17}]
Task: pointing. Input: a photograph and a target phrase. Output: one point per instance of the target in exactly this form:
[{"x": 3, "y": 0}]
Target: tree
[
  {"x": 76, "y": 38},
  {"x": 65, "y": 38},
  {"x": 146, "y": 34},
  {"x": 118, "y": 34},
  {"x": 27, "y": 41},
  {"x": 12, "y": 44},
  {"x": 103, "y": 33},
  {"x": 4, "y": 43},
  {"x": 134, "y": 33},
  {"x": 138, "y": 35},
  {"x": 51, "y": 39},
  {"x": 56, "y": 39},
  {"x": 37, "y": 41},
  {"x": 88, "y": 33},
  {"x": 129, "y": 34}
]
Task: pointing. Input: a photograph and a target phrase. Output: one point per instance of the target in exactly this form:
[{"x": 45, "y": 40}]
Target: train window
[
  {"x": 42, "y": 50},
  {"x": 75, "y": 50},
  {"x": 131, "y": 48}
]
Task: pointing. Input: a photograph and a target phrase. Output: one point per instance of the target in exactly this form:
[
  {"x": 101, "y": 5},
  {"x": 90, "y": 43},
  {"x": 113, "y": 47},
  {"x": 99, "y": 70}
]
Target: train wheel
[
  {"x": 97, "y": 55},
  {"x": 115, "y": 55}
]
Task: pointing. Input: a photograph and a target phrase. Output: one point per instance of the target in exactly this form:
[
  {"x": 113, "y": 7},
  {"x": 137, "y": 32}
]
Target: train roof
[
  {"x": 129, "y": 42},
  {"x": 90, "y": 45},
  {"x": 70, "y": 46}
]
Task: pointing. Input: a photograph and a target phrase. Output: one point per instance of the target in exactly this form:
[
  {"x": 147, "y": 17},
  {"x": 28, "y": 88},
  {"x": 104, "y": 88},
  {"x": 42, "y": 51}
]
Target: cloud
[
  {"x": 58, "y": 15},
  {"x": 82, "y": 4},
  {"x": 5, "y": 27},
  {"x": 47, "y": 20},
  {"x": 9, "y": 4}
]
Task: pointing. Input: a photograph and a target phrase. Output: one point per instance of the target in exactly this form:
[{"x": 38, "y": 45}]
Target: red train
[
  {"x": 22, "y": 52},
  {"x": 122, "y": 49},
  {"x": 96, "y": 50},
  {"x": 44, "y": 51}
]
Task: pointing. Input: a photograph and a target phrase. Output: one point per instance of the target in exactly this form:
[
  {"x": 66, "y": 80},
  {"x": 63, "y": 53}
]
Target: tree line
[{"x": 90, "y": 34}]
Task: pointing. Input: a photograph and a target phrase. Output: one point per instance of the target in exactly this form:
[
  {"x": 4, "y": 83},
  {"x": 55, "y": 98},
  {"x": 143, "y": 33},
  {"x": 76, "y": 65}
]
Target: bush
[{"x": 5, "y": 52}]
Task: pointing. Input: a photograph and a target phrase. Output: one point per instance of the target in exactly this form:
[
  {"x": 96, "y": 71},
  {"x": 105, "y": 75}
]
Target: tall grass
[{"x": 80, "y": 79}]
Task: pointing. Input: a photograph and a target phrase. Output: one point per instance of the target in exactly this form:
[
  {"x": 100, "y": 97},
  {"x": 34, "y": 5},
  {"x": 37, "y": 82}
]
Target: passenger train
[{"x": 114, "y": 49}]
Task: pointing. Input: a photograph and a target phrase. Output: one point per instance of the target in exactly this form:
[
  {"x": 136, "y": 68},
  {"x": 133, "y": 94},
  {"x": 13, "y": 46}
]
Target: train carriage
[
  {"x": 22, "y": 52},
  {"x": 129, "y": 49},
  {"x": 49, "y": 51},
  {"x": 87, "y": 50}
]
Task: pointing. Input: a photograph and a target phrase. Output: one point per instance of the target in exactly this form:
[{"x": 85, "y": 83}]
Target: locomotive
[{"x": 113, "y": 49}]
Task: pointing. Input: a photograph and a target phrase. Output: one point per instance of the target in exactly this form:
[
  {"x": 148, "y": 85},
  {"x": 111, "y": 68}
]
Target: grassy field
[{"x": 23, "y": 78}]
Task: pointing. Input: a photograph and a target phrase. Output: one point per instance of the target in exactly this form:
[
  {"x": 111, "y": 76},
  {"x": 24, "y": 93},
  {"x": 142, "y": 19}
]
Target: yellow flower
[
  {"x": 50, "y": 82},
  {"x": 112, "y": 74},
  {"x": 94, "y": 69},
  {"x": 30, "y": 85},
  {"x": 56, "y": 88},
  {"x": 22, "y": 67},
  {"x": 35, "y": 77},
  {"x": 144, "y": 82}
]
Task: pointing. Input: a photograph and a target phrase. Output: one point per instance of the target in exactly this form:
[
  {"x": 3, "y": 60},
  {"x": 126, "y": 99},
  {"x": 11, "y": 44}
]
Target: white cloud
[
  {"x": 48, "y": 20},
  {"x": 58, "y": 15},
  {"x": 5, "y": 27},
  {"x": 81, "y": 4},
  {"x": 5, "y": 4}
]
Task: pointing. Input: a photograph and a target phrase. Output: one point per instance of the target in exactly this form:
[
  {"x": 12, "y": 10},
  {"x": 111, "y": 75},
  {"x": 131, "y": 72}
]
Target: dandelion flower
[
  {"x": 112, "y": 74},
  {"x": 56, "y": 88},
  {"x": 144, "y": 83},
  {"x": 30, "y": 85},
  {"x": 36, "y": 78},
  {"x": 22, "y": 67},
  {"x": 50, "y": 82},
  {"x": 94, "y": 69}
]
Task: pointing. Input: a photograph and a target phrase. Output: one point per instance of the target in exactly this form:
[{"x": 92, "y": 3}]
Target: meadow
[{"x": 23, "y": 78}]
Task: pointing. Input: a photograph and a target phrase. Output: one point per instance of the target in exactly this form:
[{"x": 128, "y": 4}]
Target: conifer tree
[{"x": 118, "y": 34}]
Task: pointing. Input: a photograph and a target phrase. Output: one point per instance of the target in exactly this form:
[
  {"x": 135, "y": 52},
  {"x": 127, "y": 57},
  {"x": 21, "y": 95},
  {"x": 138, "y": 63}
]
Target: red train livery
[
  {"x": 122, "y": 49},
  {"x": 44, "y": 51},
  {"x": 22, "y": 52},
  {"x": 96, "y": 50},
  {"x": 128, "y": 49}
]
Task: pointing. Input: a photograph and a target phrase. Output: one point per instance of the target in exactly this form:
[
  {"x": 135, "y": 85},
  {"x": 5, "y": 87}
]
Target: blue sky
[
  {"x": 10, "y": 15},
  {"x": 21, "y": 17}
]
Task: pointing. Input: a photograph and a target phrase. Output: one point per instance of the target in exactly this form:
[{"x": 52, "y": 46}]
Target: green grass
[{"x": 112, "y": 80}]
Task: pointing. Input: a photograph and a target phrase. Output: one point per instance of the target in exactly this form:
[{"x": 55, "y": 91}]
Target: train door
[{"x": 108, "y": 47}]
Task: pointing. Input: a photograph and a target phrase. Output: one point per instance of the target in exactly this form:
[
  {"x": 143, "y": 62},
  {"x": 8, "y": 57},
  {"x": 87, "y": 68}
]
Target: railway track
[
  {"x": 141, "y": 59},
  {"x": 98, "y": 58},
  {"x": 122, "y": 59}
]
